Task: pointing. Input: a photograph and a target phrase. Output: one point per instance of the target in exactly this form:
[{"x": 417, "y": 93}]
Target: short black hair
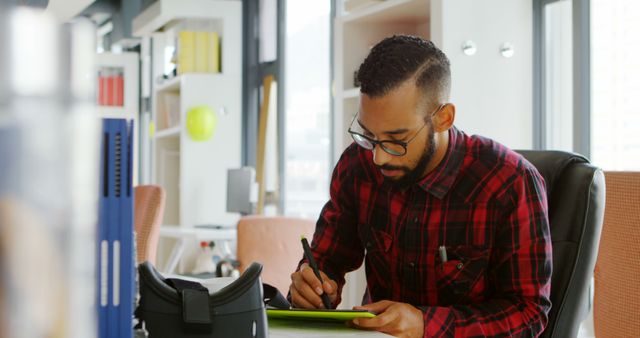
[{"x": 398, "y": 58}]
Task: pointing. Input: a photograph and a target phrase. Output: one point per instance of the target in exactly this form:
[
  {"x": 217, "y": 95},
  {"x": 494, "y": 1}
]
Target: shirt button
[
  {"x": 415, "y": 220},
  {"x": 459, "y": 266},
  {"x": 412, "y": 264}
]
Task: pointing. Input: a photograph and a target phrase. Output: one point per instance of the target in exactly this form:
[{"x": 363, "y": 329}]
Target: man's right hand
[{"x": 306, "y": 288}]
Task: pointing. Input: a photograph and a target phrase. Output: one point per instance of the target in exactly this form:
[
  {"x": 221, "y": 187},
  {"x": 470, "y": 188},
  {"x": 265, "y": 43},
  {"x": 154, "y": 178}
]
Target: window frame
[{"x": 581, "y": 22}]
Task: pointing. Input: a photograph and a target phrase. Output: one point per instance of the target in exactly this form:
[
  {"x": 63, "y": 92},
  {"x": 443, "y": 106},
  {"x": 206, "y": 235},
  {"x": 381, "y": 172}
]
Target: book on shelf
[
  {"x": 169, "y": 110},
  {"x": 118, "y": 90},
  {"x": 198, "y": 52},
  {"x": 102, "y": 90},
  {"x": 110, "y": 88},
  {"x": 213, "y": 64},
  {"x": 202, "y": 51},
  {"x": 186, "y": 52}
]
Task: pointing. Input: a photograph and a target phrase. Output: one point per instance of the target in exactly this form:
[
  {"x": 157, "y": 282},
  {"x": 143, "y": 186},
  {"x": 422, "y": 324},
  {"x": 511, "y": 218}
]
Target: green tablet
[{"x": 317, "y": 314}]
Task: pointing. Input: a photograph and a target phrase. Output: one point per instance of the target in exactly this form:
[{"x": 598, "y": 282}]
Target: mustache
[{"x": 392, "y": 167}]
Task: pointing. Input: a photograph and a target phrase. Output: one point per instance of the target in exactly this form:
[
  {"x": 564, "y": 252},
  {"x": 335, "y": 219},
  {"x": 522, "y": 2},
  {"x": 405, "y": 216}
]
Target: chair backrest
[
  {"x": 576, "y": 197},
  {"x": 274, "y": 242},
  {"x": 616, "y": 307},
  {"x": 148, "y": 214}
]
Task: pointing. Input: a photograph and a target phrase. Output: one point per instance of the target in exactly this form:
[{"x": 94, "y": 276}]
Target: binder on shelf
[
  {"x": 202, "y": 51},
  {"x": 111, "y": 87},
  {"x": 186, "y": 52},
  {"x": 213, "y": 64},
  {"x": 118, "y": 90},
  {"x": 116, "y": 267},
  {"x": 102, "y": 84},
  {"x": 198, "y": 52}
]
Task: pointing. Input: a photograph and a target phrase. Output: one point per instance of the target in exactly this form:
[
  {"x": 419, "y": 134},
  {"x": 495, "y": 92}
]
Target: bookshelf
[
  {"x": 355, "y": 33},
  {"x": 118, "y": 88},
  {"x": 489, "y": 24},
  {"x": 194, "y": 173}
]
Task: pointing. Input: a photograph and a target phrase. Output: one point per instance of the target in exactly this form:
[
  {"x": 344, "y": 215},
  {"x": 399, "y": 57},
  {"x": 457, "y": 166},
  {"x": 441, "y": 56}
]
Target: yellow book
[
  {"x": 202, "y": 51},
  {"x": 186, "y": 52},
  {"x": 213, "y": 64}
]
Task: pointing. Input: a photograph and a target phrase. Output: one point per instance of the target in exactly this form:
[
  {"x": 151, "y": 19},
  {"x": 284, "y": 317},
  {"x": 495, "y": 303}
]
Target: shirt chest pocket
[{"x": 462, "y": 279}]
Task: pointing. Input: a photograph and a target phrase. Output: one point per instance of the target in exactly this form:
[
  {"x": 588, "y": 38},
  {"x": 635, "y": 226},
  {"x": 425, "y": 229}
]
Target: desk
[
  {"x": 280, "y": 328},
  {"x": 195, "y": 235}
]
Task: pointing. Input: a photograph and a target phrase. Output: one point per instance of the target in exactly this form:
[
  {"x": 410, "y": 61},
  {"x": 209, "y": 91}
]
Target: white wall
[{"x": 493, "y": 94}]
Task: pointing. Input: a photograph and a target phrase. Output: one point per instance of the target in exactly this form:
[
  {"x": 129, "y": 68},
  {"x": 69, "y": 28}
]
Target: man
[{"x": 454, "y": 227}]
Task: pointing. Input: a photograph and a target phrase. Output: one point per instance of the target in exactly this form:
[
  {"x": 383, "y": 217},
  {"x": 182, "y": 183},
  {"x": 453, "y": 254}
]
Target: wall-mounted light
[
  {"x": 469, "y": 48},
  {"x": 507, "y": 50}
]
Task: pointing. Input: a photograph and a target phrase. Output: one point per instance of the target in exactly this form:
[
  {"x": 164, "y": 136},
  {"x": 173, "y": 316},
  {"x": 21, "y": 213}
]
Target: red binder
[{"x": 119, "y": 90}]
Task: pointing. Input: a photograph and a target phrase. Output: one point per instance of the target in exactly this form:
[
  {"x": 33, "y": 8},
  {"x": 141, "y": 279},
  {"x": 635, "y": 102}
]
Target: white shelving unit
[
  {"x": 198, "y": 178},
  {"x": 355, "y": 33},
  {"x": 128, "y": 64},
  {"x": 486, "y": 87},
  {"x": 194, "y": 173}
]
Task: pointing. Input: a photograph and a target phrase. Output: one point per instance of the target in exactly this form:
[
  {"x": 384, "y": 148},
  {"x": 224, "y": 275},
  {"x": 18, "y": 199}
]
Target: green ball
[{"x": 201, "y": 123}]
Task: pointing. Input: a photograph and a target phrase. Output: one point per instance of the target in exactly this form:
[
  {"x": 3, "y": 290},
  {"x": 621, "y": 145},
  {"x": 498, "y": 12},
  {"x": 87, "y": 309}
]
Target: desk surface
[
  {"x": 198, "y": 233},
  {"x": 280, "y": 328}
]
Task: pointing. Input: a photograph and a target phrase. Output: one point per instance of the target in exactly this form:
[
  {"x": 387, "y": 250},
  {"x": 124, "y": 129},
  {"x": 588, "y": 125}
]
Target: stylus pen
[{"x": 307, "y": 252}]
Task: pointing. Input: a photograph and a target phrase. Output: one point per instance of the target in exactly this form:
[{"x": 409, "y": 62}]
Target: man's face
[{"x": 398, "y": 116}]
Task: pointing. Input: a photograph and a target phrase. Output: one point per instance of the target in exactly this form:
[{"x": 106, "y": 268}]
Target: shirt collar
[{"x": 439, "y": 181}]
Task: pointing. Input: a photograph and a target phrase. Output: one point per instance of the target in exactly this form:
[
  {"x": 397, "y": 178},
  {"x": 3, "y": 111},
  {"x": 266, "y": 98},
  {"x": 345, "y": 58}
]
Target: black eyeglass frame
[{"x": 374, "y": 143}]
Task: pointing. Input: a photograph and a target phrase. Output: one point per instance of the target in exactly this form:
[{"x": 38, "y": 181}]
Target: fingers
[
  {"x": 302, "y": 294},
  {"x": 329, "y": 285},
  {"x": 397, "y": 319},
  {"x": 378, "y": 322},
  {"x": 311, "y": 279},
  {"x": 377, "y": 307},
  {"x": 306, "y": 288},
  {"x": 333, "y": 294},
  {"x": 299, "y": 301},
  {"x": 351, "y": 324},
  {"x": 384, "y": 315},
  {"x": 382, "y": 319}
]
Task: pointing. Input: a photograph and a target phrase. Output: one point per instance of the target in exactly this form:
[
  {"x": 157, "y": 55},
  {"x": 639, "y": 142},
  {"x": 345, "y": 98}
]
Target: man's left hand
[{"x": 396, "y": 319}]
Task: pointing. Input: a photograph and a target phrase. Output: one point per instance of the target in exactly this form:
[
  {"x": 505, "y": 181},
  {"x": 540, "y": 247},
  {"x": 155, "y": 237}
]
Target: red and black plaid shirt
[{"x": 485, "y": 203}]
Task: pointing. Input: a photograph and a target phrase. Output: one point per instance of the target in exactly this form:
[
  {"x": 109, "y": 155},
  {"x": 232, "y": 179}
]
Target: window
[
  {"x": 558, "y": 75},
  {"x": 615, "y": 85},
  {"x": 307, "y": 107}
]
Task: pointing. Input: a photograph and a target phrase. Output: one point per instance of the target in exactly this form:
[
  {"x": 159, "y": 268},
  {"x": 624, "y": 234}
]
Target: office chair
[
  {"x": 576, "y": 197},
  {"x": 148, "y": 214},
  {"x": 274, "y": 242},
  {"x": 616, "y": 306}
]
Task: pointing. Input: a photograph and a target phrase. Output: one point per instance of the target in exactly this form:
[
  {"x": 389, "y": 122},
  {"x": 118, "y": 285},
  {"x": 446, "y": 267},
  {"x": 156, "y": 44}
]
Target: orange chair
[
  {"x": 274, "y": 242},
  {"x": 616, "y": 308},
  {"x": 148, "y": 214}
]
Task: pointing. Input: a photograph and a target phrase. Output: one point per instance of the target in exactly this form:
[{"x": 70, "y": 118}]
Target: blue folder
[{"x": 116, "y": 261}]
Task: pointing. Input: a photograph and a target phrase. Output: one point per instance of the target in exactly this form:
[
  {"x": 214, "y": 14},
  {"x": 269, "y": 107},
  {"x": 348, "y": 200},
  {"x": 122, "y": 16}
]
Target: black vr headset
[{"x": 175, "y": 308}]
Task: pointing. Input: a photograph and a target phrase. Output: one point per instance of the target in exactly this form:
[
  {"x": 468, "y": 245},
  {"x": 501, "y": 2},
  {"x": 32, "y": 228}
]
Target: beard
[{"x": 412, "y": 176}]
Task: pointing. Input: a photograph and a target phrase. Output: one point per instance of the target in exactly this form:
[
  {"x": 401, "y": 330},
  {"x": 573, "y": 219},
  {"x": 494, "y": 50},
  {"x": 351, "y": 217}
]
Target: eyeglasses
[{"x": 392, "y": 147}]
